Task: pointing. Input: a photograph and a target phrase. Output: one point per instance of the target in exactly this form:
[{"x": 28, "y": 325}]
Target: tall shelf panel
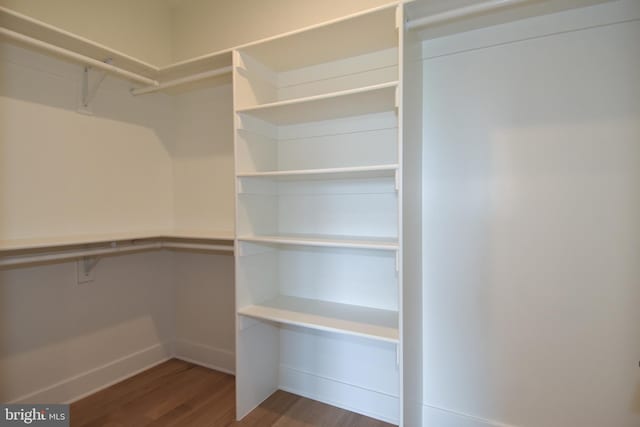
[{"x": 318, "y": 195}]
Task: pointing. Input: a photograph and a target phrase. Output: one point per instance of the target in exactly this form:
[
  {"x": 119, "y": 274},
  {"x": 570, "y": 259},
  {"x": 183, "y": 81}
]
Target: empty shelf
[
  {"x": 328, "y": 316},
  {"x": 353, "y": 102},
  {"x": 387, "y": 243},
  {"x": 362, "y": 172}
]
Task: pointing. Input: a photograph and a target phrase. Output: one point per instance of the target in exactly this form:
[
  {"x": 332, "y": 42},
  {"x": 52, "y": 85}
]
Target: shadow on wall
[
  {"x": 155, "y": 144},
  {"x": 204, "y": 121},
  {"x": 86, "y": 172},
  {"x": 37, "y": 78},
  {"x": 52, "y": 328}
]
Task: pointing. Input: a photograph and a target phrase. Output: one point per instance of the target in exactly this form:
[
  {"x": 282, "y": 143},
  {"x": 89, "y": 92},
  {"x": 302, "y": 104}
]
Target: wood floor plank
[
  {"x": 181, "y": 394},
  {"x": 270, "y": 411},
  {"x": 216, "y": 405},
  {"x": 112, "y": 398}
]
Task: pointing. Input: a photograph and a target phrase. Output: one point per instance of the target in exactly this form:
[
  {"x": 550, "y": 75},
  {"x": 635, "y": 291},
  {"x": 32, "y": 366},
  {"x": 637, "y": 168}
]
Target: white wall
[
  {"x": 205, "y": 310},
  {"x": 59, "y": 339},
  {"x": 531, "y": 232},
  {"x": 140, "y": 28},
  {"x": 203, "y": 179},
  {"x": 64, "y": 173},
  {"x": 204, "y": 189},
  {"x": 204, "y": 26}
]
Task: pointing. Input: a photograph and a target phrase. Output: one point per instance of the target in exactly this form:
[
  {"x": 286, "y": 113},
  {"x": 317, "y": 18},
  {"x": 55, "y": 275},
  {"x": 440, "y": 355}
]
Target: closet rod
[
  {"x": 39, "y": 44},
  {"x": 182, "y": 81},
  {"x": 463, "y": 12},
  {"x": 29, "y": 259},
  {"x": 77, "y": 254}
]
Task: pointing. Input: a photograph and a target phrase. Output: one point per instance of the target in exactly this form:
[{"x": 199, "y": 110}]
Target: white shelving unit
[{"x": 318, "y": 214}]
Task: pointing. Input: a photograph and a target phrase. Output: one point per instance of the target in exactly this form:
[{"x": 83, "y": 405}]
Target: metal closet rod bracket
[
  {"x": 89, "y": 93},
  {"x": 88, "y": 264}
]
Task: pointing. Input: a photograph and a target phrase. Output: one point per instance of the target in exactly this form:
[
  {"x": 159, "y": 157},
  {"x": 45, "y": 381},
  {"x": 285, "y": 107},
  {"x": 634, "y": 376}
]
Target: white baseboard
[
  {"x": 204, "y": 355},
  {"x": 438, "y": 417},
  {"x": 93, "y": 380},
  {"x": 371, "y": 403}
]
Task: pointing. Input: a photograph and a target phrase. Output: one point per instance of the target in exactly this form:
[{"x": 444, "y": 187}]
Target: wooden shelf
[
  {"x": 328, "y": 316},
  {"x": 390, "y": 244},
  {"x": 347, "y": 103},
  {"x": 92, "y": 239},
  {"x": 358, "y": 172}
]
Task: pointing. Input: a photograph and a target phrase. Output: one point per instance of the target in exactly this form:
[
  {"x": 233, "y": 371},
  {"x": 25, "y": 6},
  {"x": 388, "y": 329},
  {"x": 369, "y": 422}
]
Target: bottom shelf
[{"x": 328, "y": 316}]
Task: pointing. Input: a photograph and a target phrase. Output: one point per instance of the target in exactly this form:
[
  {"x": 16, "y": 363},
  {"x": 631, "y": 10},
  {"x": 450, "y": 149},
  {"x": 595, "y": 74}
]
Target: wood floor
[{"x": 178, "y": 393}]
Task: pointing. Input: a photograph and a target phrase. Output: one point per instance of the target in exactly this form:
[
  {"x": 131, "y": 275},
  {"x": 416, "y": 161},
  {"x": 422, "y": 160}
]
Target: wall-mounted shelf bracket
[
  {"x": 88, "y": 263},
  {"x": 89, "y": 91},
  {"x": 85, "y": 266}
]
